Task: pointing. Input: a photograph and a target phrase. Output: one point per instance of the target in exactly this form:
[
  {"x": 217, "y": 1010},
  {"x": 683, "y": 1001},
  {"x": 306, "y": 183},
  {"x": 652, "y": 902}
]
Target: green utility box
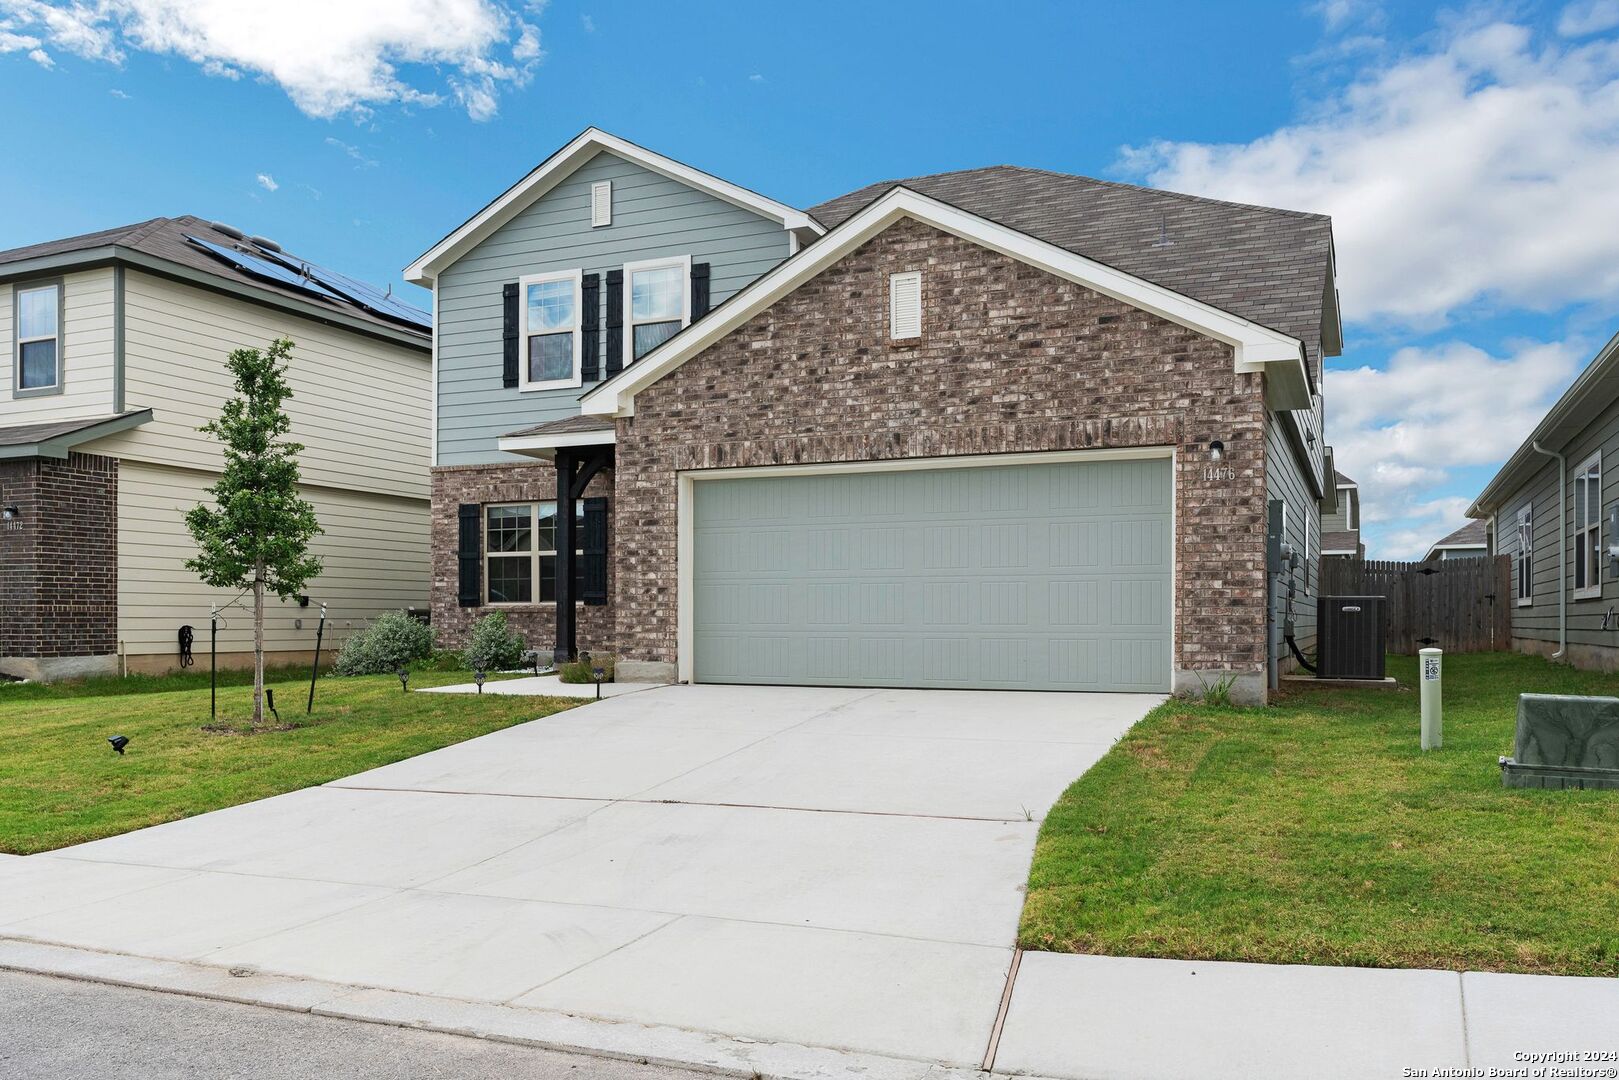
[{"x": 1564, "y": 741}]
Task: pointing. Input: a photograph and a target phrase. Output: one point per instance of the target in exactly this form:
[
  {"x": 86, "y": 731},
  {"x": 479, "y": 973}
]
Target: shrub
[
  {"x": 492, "y": 645},
  {"x": 581, "y": 670},
  {"x": 393, "y": 641}
]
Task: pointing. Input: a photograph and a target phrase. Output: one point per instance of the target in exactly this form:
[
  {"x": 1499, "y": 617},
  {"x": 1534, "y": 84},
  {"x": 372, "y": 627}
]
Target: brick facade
[
  {"x": 59, "y": 558},
  {"x": 1012, "y": 360},
  {"x": 516, "y": 483}
]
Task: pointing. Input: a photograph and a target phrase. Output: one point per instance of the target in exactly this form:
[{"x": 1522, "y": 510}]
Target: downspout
[{"x": 1562, "y": 549}]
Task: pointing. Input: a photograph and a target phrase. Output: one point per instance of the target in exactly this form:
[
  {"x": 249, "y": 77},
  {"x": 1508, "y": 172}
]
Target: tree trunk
[{"x": 258, "y": 644}]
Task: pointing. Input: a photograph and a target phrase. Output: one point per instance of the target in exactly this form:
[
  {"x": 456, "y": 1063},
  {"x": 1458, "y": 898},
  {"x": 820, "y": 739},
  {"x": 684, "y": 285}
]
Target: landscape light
[
  {"x": 119, "y": 742},
  {"x": 600, "y": 673},
  {"x": 478, "y": 677},
  {"x": 404, "y": 678}
]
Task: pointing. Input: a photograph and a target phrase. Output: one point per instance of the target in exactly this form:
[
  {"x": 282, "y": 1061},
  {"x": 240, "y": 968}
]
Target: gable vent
[
  {"x": 905, "y": 305},
  {"x": 601, "y": 203}
]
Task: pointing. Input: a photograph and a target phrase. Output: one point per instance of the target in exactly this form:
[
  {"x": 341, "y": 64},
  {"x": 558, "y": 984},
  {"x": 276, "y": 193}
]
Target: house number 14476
[{"x": 1219, "y": 472}]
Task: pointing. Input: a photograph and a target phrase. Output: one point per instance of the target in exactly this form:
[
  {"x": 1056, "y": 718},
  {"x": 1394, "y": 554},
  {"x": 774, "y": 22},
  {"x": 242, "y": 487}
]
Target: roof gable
[
  {"x": 560, "y": 165},
  {"x": 1271, "y": 266},
  {"x": 1255, "y": 348}
]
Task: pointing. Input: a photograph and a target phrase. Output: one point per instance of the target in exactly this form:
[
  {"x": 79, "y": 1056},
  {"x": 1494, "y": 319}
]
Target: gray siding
[
  {"x": 1338, "y": 520},
  {"x": 1538, "y": 621},
  {"x": 653, "y": 217},
  {"x": 1285, "y": 480}
]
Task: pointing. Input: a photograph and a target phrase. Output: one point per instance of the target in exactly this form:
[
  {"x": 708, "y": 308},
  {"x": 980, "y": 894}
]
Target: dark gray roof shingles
[
  {"x": 568, "y": 425},
  {"x": 165, "y": 238},
  {"x": 1266, "y": 265},
  {"x": 30, "y": 434},
  {"x": 1475, "y": 533}
]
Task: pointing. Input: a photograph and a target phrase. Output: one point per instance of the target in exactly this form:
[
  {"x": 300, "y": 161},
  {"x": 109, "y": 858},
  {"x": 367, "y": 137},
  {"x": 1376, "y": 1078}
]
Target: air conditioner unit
[{"x": 1349, "y": 637}]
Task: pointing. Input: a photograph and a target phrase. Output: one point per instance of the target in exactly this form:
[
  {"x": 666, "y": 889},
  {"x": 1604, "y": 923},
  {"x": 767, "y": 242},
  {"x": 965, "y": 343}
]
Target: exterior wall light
[
  {"x": 9, "y": 512},
  {"x": 1217, "y": 451}
]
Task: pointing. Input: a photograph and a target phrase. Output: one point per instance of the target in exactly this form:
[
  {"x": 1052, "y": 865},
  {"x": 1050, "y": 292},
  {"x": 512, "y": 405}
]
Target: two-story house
[
  {"x": 1340, "y": 524},
  {"x": 112, "y": 351},
  {"x": 998, "y": 428}
]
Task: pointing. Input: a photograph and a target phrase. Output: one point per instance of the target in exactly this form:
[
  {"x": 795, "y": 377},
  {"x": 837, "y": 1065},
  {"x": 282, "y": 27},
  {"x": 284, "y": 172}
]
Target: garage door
[{"x": 1035, "y": 577}]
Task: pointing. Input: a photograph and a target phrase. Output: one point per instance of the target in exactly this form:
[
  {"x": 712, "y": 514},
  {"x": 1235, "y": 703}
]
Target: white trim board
[
  {"x": 1256, "y": 348},
  {"x": 537, "y": 445},
  {"x": 686, "y": 545},
  {"x": 562, "y": 164}
]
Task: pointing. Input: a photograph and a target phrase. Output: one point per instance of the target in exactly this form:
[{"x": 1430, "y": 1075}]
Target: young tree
[{"x": 258, "y": 535}]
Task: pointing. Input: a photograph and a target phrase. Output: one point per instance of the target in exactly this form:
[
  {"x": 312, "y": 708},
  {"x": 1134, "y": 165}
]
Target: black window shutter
[
  {"x": 615, "y": 322},
  {"x": 469, "y": 555},
  {"x": 593, "y": 542},
  {"x": 699, "y": 290},
  {"x": 508, "y": 295},
  {"x": 590, "y": 328}
]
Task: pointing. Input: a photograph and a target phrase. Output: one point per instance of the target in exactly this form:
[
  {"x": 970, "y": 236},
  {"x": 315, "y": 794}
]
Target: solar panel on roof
[
  {"x": 264, "y": 268},
  {"x": 358, "y": 292}
]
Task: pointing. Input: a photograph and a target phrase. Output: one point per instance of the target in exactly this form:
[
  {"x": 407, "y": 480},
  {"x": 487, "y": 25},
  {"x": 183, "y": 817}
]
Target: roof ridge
[{"x": 140, "y": 231}]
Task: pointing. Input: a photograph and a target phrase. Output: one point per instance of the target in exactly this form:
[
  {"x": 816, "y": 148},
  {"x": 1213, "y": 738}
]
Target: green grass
[
  {"x": 60, "y": 783},
  {"x": 1317, "y": 832}
]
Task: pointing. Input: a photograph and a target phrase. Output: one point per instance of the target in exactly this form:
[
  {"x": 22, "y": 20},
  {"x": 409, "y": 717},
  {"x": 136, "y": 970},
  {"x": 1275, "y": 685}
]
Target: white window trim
[
  {"x": 1593, "y": 590},
  {"x": 630, "y": 270},
  {"x": 523, "y": 382},
  {"x": 1526, "y": 557},
  {"x": 17, "y": 388},
  {"x": 534, "y": 553}
]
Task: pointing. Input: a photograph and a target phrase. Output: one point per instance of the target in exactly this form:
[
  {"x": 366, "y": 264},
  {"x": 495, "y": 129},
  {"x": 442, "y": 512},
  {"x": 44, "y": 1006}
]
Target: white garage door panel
[{"x": 1051, "y": 577}]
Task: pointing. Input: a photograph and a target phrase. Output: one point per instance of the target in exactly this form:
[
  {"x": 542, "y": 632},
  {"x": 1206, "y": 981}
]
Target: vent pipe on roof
[
  {"x": 264, "y": 242},
  {"x": 229, "y": 230}
]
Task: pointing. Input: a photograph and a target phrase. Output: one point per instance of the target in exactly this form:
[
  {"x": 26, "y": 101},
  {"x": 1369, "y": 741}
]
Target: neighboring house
[
  {"x": 1471, "y": 541},
  {"x": 999, "y": 428},
  {"x": 1340, "y": 525},
  {"x": 1551, "y": 508},
  {"x": 114, "y": 348}
]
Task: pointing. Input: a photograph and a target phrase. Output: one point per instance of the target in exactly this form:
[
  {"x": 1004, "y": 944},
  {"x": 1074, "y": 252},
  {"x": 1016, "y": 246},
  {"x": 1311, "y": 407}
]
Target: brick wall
[
  {"x": 1012, "y": 360},
  {"x": 484, "y": 484},
  {"x": 59, "y": 557}
]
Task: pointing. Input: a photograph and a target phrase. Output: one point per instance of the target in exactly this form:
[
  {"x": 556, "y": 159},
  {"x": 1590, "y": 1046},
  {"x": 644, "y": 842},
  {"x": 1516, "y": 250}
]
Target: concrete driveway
[{"x": 839, "y": 868}]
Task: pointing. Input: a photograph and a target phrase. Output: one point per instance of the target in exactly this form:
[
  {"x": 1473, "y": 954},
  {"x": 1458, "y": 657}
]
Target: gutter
[{"x": 1562, "y": 548}]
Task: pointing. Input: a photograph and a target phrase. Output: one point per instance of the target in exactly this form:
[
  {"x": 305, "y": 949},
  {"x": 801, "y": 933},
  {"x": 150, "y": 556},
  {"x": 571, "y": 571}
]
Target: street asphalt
[{"x": 61, "y": 1029}]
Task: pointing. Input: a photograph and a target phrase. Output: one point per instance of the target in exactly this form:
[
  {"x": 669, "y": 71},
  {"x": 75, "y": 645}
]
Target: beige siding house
[{"x": 100, "y": 452}]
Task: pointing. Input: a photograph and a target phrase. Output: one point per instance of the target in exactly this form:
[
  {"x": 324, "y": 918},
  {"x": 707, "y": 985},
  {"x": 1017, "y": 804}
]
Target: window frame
[
  {"x": 18, "y": 390},
  {"x": 1587, "y": 556},
  {"x": 633, "y": 268},
  {"x": 524, "y": 383},
  {"x": 1524, "y": 567},
  {"x": 535, "y": 553}
]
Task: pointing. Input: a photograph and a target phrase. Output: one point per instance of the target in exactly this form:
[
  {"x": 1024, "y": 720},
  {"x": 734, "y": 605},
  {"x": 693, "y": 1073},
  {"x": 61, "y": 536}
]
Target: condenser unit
[{"x": 1349, "y": 637}]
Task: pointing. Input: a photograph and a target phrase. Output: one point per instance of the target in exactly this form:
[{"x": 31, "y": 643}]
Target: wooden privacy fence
[{"x": 1459, "y": 605}]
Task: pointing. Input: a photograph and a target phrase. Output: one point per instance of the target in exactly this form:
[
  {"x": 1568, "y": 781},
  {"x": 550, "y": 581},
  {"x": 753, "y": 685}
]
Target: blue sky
[{"x": 1468, "y": 154}]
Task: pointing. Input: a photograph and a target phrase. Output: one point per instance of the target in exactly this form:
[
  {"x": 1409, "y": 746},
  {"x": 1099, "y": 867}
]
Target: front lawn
[
  {"x": 1317, "y": 832},
  {"x": 60, "y": 783}
]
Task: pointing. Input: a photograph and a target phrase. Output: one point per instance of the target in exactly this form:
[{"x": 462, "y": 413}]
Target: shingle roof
[
  {"x": 33, "y": 434},
  {"x": 1341, "y": 480},
  {"x": 1341, "y": 541},
  {"x": 165, "y": 238},
  {"x": 566, "y": 426},
  {"x": 1269, "y": 266},
  {"x": 1475, "y": 534}
]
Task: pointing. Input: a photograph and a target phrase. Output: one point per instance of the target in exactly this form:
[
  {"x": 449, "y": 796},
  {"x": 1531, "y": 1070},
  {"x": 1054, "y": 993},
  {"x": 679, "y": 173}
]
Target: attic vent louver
[
  {"x": 905, "y": 305},
  {"x": 601, "y": 203}
]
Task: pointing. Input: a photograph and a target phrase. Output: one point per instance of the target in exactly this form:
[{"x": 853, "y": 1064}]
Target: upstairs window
[
  {"x": 38, "y": 361},
  {"x": 1588, "y": 529},
  {"x": 1524, "y": 561},
  {"x": 657, "y": 303},
  {"x": 549, "y": 311}
]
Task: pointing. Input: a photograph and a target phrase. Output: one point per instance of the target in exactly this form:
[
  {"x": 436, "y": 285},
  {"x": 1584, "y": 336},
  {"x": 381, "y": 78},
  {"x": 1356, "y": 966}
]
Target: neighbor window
[
  {"x": 1524, "y": 561},
  {"x": 656, "y": 302},
  {"x": 1588, "y": 528},
  {"x": 550, "y": 330},
  {"x": 39, "y": 337},
  {"x": 520, "y": 552}
]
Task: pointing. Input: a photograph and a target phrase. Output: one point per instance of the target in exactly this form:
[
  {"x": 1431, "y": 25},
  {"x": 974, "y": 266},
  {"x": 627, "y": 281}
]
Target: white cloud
[
  {"x": 588, "y": 23},
  {"x": 119, "y": 94},
  {"x": 1480, "y": 170},
  {"x": 330, "y": 58},
  {"x": 756, "y": 77},
  {"x": 1588, "y": 17},
  {"x": 267, "y": 182},
  {"x": 1400, "y": 432},
  {"x": 362, "y": 161},
  {"x": 42, "y": 58}
]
